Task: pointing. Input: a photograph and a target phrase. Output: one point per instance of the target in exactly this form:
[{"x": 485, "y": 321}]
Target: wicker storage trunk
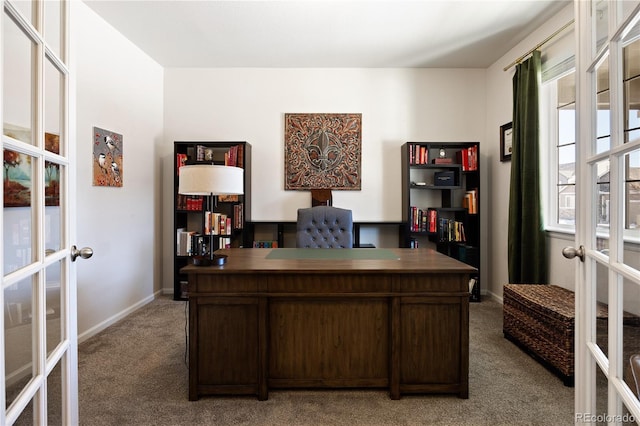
[{"x": 540, "y": 319}]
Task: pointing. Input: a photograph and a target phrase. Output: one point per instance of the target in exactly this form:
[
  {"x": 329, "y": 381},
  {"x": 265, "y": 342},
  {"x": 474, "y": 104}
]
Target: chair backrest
[
  {"x": 635, "y": 369},
  {"x": 324, "y": 227}
]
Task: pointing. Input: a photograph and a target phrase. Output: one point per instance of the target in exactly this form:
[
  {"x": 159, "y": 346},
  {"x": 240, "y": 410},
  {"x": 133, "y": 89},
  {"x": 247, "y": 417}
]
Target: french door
[
  {"x": 38, "y": 375},
  {"x": 608, "y": 215}
]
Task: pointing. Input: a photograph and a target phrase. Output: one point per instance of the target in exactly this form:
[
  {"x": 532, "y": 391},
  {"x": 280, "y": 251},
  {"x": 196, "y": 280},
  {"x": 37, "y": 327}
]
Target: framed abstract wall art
[{"x": 322, "y": 151}]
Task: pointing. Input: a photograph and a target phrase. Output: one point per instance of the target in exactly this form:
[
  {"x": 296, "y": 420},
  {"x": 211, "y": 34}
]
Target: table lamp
[{"x": 210, "y": 180}]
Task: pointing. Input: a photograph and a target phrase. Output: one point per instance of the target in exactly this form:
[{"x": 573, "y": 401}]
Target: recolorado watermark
[{"x": 604, "y": 418}]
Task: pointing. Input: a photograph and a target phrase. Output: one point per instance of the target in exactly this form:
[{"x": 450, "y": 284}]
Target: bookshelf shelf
[
  {"x": 440, "y": 200},
  {"x": 191, "y": 217}
]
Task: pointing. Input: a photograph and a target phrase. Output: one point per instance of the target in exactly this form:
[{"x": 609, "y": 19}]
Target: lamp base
[{"x": 218, "y": 260}]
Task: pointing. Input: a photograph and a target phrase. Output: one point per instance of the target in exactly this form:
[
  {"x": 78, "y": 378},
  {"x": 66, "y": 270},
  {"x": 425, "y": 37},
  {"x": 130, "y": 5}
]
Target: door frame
[{"x": 588, "y": 355}]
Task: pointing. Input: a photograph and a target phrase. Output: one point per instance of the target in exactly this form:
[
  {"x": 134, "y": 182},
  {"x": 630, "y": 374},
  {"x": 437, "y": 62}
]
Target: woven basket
[{"x": 540, "y": 319}]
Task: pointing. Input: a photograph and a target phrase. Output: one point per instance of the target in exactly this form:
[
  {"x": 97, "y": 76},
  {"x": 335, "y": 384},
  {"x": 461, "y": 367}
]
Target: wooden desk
[{"x": 364, "y": 320}]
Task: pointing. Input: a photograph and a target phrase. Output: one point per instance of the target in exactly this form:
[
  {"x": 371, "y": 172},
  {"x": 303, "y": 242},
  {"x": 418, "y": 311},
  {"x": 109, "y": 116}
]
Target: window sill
[{"x": 630, "y": 242}]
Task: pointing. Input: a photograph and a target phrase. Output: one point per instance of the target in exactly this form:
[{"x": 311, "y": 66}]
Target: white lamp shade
[{"x": 206, "y": 179}]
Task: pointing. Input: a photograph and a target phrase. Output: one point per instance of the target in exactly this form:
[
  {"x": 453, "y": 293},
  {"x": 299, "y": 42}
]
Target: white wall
[
  {"x": 498, "y": 112},
  {"x": 119, "y": 88},
  {"x": 397, "y": 105}
]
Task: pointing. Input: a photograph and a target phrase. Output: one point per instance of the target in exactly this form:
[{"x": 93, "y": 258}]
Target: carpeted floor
[{"x": 134, "y": 373}]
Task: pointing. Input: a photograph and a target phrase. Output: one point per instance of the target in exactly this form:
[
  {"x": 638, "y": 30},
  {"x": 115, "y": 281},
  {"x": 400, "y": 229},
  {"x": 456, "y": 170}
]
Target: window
[
  {"x": 560, "y": 203},
  {"x": 559, "y": 96}
]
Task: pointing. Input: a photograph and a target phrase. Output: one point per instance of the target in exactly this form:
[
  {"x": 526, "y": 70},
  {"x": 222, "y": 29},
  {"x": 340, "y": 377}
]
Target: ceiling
[{"x": 326, "y": 33}]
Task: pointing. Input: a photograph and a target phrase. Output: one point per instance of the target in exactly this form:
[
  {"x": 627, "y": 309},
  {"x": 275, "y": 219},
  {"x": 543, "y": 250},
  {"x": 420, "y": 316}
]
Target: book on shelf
[
  {"x": 217, "y": 223},
  {"x": 468, "y": 158},
  {"x": 470, "y": 201},
  {"x": 200, "y": 152},
  {"x": 238, "y": 215},
  {"x": 451, "y": 230},
  {"x": 181, "y": 160},
  {"x": 224, "y": 242},
  {"x": 234, "y": 156},
  {"x": 432, "y": 220},
  {"x": 418, "y": 154},
  {"x": 228, "y": 198},
  {"x": 184, "y": 242},
  {"x": 423, "y": 220},
  {"x": 265, "y": 244},
  {"x": 189, "y": 202}
]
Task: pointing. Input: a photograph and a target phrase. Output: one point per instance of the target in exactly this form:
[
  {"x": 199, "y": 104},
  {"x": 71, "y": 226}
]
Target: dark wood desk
[{"x": 363, "y": 320}]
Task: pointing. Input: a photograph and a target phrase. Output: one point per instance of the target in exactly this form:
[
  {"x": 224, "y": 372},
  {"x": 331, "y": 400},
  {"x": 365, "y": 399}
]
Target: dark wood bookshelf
[
  {"x": 190, "y": 211},
  {"x": 441, "y": 182}
]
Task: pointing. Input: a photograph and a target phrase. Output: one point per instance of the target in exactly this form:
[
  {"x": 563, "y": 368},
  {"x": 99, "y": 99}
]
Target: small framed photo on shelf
[{"x": 506, "y": 141}]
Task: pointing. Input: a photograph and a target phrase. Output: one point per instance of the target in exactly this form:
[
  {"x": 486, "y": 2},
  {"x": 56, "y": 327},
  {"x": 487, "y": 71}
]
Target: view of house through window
[
  {"x": 564, "y": 154},
  {"x": 566, "y": 151}
]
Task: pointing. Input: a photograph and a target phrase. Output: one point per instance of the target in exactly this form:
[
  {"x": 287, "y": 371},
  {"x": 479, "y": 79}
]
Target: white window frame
[
  {"x": 549, "y": 151},
  {"x": 549, "y": 175}
]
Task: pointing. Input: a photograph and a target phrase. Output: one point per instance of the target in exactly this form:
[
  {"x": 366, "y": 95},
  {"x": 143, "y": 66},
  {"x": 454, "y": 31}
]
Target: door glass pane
[
  {"x": 19, "y": 171},
  {"x": 631, "y": 55},
  {"x": 54, "y": 396},
  {"x": 26, "y": 417},
  {"x": 25, "y": 8},
  {"x": 602, "y": 393},
  {"x": 631, "y": 328},
  {"x": 632, "y": 199},
  {"x": 53, "y": 306},
  {"x": 632, "y": 106},
  {"x": 603, "y": 129},
  {"x": 600, "y": 18},
  {"x": 52, "y": 213},
  {"x": 52, "y": 107},
  {"x": 603, "y": 191},
  {"x": 602, "y": 244},
  {"x": 17, "y": 82},
  {"x": 601, "y": 308},
  {"x": 52, "y": 26},
  {"x": 18, "y": 335}
]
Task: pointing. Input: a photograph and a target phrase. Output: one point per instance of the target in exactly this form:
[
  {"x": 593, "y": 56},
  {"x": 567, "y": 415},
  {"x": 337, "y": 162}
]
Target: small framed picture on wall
[{"x": 506, "y": 141}]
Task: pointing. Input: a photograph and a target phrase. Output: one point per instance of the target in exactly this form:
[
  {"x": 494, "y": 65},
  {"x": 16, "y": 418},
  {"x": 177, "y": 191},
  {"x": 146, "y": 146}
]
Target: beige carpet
[{"x": 134, "y": 373}]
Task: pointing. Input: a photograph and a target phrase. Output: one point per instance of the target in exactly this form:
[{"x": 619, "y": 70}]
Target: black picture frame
[{"x": 506, "y": 141}]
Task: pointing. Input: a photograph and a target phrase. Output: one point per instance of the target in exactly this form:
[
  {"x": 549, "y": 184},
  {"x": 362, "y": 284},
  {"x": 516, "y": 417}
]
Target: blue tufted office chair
[{"x": 324, "y": 227}]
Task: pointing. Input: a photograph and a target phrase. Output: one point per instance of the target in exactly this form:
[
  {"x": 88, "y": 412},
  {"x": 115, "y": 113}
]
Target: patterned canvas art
[
  {"x": 107, "y": 158},
  {"x": 323, "y": 151}
]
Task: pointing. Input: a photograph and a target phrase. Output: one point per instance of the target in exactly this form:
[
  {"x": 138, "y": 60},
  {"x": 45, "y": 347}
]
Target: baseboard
[
  {"x": 117, "y": 317},
  {"x": 495, "y": 297}
]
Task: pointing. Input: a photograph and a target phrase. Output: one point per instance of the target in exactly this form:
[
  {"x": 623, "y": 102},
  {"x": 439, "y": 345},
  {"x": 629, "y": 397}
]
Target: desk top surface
[{"x": 392, "y": 260}]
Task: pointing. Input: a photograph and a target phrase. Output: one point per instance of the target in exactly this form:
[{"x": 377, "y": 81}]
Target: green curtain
[{"x": 527, "y": 250}]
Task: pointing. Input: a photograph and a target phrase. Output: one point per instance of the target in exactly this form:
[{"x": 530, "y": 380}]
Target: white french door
[
  {"x": 608, "y": 215},
  {"x": 38, "y": 375}
]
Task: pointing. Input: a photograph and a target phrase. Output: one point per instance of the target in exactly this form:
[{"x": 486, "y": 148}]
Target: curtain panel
[{"x": 527, "y": 247}]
